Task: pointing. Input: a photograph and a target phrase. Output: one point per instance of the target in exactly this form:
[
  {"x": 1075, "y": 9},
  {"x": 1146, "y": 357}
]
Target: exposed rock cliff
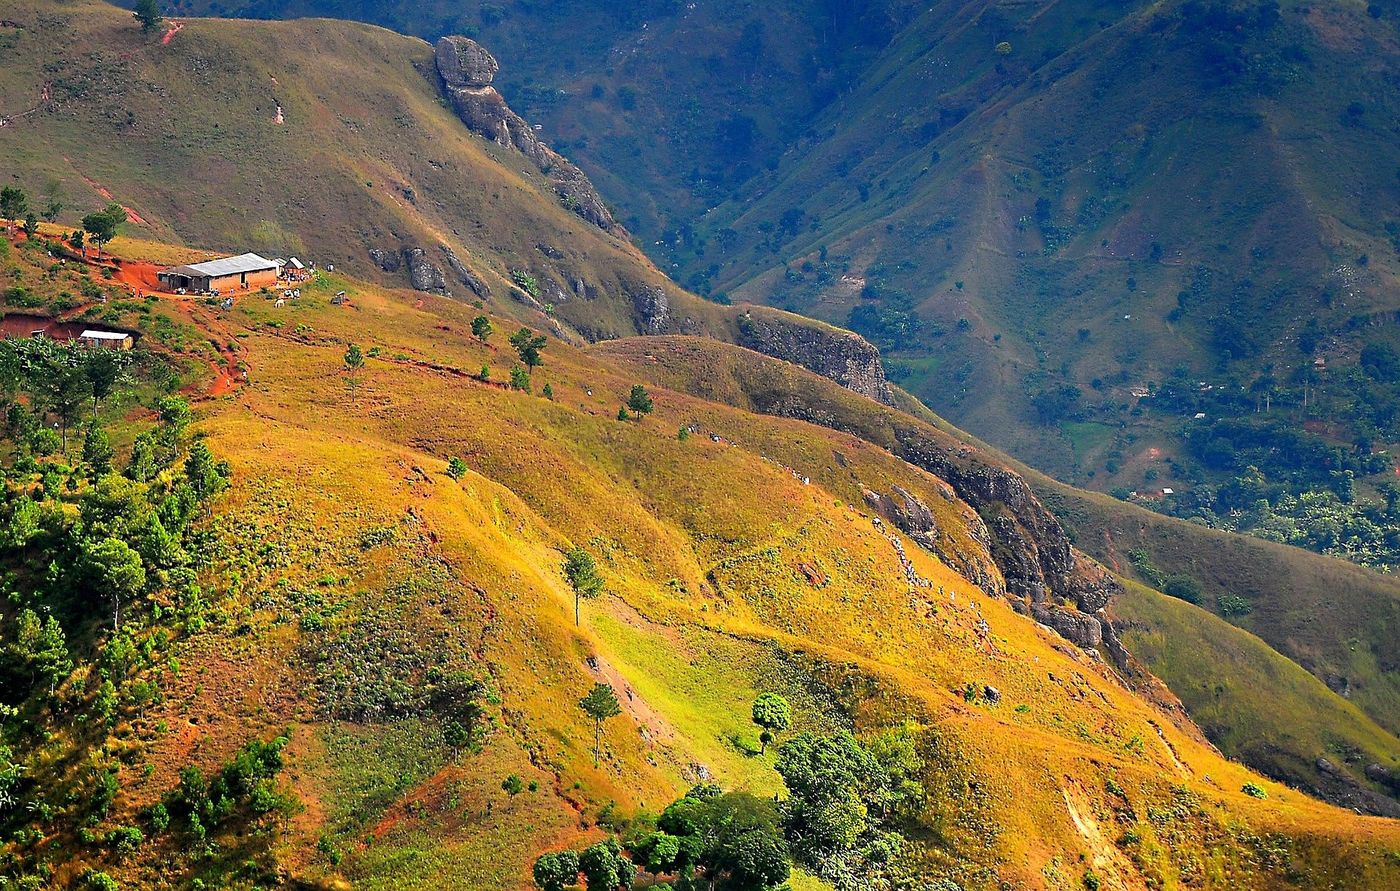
[
  {"x": 423, "y": 273},
  {"x": 847, "y": 358},
  {"x": 916, "y": 519},
  {"x": 1045, "y": 577},
  {"x": 467, "y": 69}
]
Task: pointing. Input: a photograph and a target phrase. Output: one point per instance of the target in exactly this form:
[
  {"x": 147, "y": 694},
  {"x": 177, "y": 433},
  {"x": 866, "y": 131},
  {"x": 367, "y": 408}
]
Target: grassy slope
[
  {"x": 1251, "y": 702},
  {"x": 703, "y": 545},
  {"x": 669, "y": 154},
  {"x": 184, "y": 134},
  {"x": 1287, "y": 587}
]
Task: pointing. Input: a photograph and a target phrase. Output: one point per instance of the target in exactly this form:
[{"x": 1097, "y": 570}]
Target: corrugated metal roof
[
  {"x": 226, "y": 266},
  {"x": 90, "y": 334}
]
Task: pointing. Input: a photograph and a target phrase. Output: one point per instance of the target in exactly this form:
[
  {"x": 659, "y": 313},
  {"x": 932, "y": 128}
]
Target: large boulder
[
  {"x": 465, "y": 64},
  {"x": 422, "y": 273},
  {"x": 387, "y": 260}
]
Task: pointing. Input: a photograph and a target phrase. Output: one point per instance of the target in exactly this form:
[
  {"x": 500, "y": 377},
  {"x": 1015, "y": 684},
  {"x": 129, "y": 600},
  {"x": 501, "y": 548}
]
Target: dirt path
[
  {"x": 1108, "y": 862},
  {"x": 131, "y": 215}
]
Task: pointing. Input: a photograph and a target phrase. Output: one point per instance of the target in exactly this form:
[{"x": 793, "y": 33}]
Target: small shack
[
  {"x": 106, "y": 340},
  {"x": 226, "y": 274}
]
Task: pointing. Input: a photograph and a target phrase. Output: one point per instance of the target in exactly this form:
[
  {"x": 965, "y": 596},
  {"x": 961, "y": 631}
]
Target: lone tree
[
  {"x": 771, "y": 712},
  {"x": 148, "y": 14},
  {"x": 528, "y": 345},
  {"x": 101, "y": 226},
  {"x": 116, "y": 571},
  {"x": 600, "y": 704},
  {"x": 482, "y": 328},
  {"x": 639, "y": 401},
  {"x": 354, "y": 358},
  {"x": 582, "y": 573},
  {"x": 13, "y": 204}
]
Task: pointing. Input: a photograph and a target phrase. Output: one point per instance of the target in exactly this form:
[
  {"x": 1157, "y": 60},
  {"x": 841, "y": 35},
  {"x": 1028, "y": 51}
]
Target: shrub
[
  {"x": 1183, "y": 587},
  {"x": 1232, "y": 605},
  {"x": 99, "y": 881},
  {"x": 1254, "y": 790},
  {"x": 456, "y": 467}
]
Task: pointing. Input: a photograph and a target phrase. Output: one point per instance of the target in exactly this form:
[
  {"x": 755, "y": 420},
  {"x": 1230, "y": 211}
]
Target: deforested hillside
[
  {"x": 1323, "y": 614},
  {"x": 491, "y": 558},
  {"x": 352, "y": 147},
  {"x": 362, "y": 659}
]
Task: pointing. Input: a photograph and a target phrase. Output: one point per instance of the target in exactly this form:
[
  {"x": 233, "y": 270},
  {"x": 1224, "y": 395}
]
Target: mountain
[
  {"x": 1068, "y": 225},
  {"x": 346, "y": 649}
]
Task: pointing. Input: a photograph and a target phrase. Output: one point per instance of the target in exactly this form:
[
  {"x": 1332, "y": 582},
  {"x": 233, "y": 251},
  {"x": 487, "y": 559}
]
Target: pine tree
[
  {"x": 148, "y": 14},
  {"x": 600, "y": 704}
]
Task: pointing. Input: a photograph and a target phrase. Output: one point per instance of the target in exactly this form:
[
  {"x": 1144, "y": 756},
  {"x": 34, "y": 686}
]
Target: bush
[
  {"x": 1183, "y": 587},
  {"x": 1233, "y": 605},
  {"x": 99, "y": 881},
  {"x": 124, "y": 840},
  {"x": 1254, "y": 790}
]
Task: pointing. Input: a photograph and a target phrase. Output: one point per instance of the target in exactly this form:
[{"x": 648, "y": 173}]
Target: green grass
[
  {"x": 1253, "y": 703},
  {"x": 1087, "y": 437}
]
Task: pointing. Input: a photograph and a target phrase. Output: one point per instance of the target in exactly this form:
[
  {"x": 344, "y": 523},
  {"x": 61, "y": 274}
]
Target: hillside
[
  {"x": 1070, "y": 226},
  {"x": 333, "y": 629},
  {"x": 338, "y": 143},
  {"x": 1287, "y": 590},
  {"x": 347, "y": 563}
]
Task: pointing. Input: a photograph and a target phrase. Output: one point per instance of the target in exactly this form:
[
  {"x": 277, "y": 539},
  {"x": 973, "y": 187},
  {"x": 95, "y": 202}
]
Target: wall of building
[{"x": 254, "y": 279}]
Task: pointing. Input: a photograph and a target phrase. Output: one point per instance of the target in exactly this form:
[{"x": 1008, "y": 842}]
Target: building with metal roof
[
  {"x": 112, "y": 340},
  {"x": 225, "y": 274}
]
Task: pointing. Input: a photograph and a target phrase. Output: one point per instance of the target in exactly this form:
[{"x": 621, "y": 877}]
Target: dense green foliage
[
  {"x": 102, "y": 573},
  {"x": 841, "y": 820}
]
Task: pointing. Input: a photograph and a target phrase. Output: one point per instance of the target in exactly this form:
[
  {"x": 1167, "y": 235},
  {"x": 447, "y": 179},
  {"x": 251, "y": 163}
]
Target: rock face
[
  {"x": 463, "y": 273},
  {"x": 466, "y": 70},
  {"x": 389, "y": 261},
  {"x": 653, "y": 309},
  {"x": 422, "y": 273},
  {"x": 847, "y": 358},
  {"x": 915, "y": 519}
]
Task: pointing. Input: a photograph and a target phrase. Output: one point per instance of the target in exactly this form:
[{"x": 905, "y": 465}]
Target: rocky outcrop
[
  {"x": 653, "y": 310},
  {"x": 423, "y": 274},
  {"x": 467, "y": 70},
  {"x": 842, "y": 356},
  {"x": 1074, "y": 626},
  {"x": 465, "y": 64},
  {"x": 389, "y": 261},
  {"x": 463, "y": 273},
  {"x": 916, "y": 519}
]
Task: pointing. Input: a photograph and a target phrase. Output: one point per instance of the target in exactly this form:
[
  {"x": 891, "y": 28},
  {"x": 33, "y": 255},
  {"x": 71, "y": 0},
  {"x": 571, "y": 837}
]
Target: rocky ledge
[
  {"x": 467, "y": 70},
  {"x": 841, "y": 356}
]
